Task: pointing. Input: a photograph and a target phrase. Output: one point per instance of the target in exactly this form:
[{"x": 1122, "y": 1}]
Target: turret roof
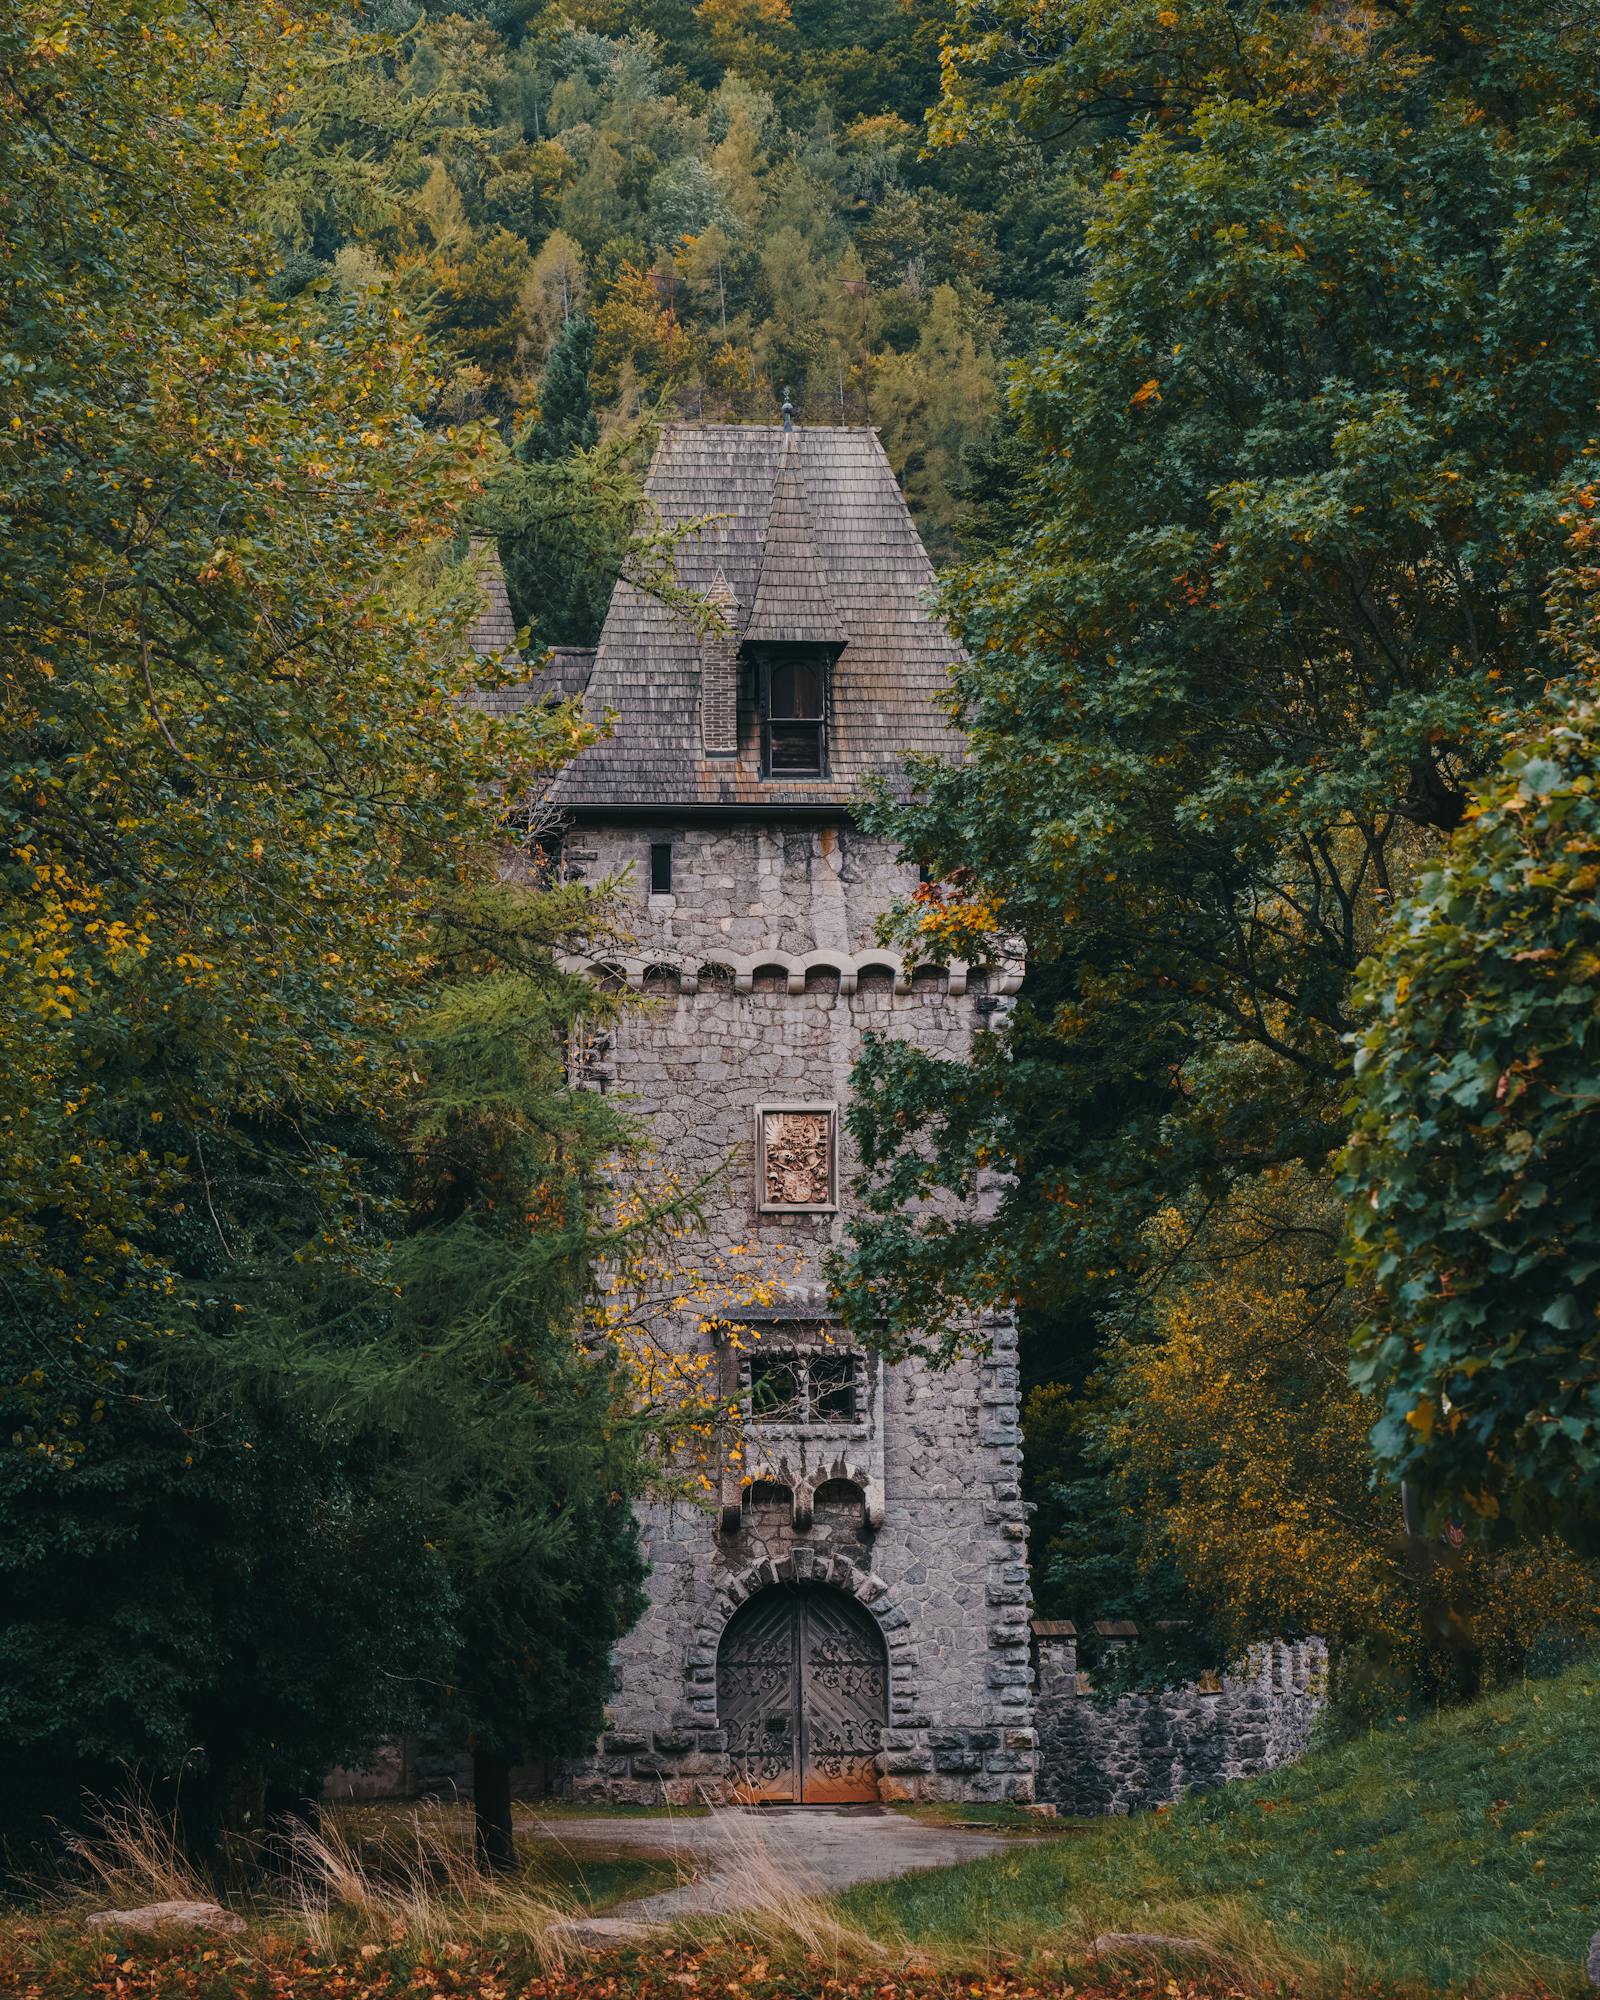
[{"x": 809, "y": 529}]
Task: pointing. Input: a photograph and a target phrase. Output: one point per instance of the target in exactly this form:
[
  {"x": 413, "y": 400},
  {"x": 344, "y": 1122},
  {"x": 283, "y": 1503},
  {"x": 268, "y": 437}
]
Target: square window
[
  {"x": 796, "y": 1157},
  {"x": 831, "y": 1387},
  {"x": 805, "y": 1388},
  {"x": 777, "y": 1394},
  {"x": 796, "y": 686}
]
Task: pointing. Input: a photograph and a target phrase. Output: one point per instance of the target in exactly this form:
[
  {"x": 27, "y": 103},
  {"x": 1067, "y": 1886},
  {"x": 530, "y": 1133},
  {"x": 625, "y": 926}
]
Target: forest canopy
[{"x": 1239, "y": 365}]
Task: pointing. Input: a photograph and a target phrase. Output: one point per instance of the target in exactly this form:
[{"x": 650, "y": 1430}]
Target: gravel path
[{"x": 741, "y": 1859}]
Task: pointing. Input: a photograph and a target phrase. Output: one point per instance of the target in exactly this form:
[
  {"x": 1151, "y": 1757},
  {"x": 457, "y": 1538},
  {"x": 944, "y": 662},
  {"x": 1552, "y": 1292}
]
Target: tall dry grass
[
  {"x": 418, "y": 1886},
  {"x": 750, "y": 1895},
  {"x": 130, "y": 1855},
  {"x": 421, "y": 1887}
]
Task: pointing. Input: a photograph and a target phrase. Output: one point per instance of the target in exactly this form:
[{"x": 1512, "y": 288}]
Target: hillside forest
[
  {"x": 1240, "y": 366},
  {"x": 735, "y": 202}
]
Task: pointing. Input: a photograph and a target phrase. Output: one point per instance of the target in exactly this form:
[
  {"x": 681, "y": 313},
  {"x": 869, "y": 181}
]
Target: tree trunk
[
  {"x": 491, "y": 1804},
  {"x": 1446, "y": 1619},
  {"x": 292, "y": 1810}
]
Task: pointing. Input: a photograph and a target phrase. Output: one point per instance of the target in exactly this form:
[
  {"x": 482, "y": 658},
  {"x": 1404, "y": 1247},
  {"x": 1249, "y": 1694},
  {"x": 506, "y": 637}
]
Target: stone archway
[{"x": 803, "y": 1695}]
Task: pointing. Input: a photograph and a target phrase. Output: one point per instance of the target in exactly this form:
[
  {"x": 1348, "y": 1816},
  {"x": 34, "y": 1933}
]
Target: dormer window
[{"x": 796, "y": 715}]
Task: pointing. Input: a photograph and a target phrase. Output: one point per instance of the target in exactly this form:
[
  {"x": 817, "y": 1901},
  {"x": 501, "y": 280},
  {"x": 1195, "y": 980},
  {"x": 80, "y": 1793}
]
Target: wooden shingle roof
[
  {"x": 794, "y": 603},
  {"x": 494, "y": 630},
  {"x": 809, "y": 530},
  {"x": 555, "y": 676}
]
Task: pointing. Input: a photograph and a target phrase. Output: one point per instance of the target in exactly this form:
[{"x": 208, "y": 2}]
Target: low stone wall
[{"x": 1146, "y": 1750}]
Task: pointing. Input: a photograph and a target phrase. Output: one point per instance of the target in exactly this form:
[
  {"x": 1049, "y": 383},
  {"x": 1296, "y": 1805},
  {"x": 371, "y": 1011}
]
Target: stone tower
[{"x": 849, "y": 1618}]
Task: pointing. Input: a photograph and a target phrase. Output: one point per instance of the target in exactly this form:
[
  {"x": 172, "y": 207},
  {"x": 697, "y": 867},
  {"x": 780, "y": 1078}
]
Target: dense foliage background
[
  {"x": 1240, "y": 365},
  {"x": 1263, "y": 582},
  {"x": 733, "y": 195}
]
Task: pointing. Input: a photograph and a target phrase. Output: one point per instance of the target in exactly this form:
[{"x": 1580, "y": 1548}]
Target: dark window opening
[
  {"x": 776, "y": 1394},
  {"x": 804, "y": 1388},
  {"x": 839, "y": 1500},
  {"x": 544, "y": 860},
  {"x": 764, "y": 1494},
  {"x": 797, "y": 707},
  {"x": 833, "y": 1388},
  {"x": 661, "y": 868}
]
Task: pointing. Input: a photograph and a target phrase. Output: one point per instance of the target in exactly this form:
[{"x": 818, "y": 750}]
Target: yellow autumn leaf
[{"x": 1147, "y": 392}]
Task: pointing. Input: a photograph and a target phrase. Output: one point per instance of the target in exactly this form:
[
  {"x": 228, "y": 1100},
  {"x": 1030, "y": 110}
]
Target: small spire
[{"x": 788, "y": 412}]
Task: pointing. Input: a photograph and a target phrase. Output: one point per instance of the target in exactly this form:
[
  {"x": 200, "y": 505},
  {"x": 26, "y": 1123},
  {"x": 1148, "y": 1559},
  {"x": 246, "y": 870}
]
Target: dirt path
[{"x": 741, "y": 1859}]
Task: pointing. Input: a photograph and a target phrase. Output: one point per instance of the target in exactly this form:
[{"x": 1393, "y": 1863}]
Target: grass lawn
[
  {"x": 1454, "y": 1854},
  {"x": 1460, "y": 1848},
  {"x": 595, "y": 1881}
]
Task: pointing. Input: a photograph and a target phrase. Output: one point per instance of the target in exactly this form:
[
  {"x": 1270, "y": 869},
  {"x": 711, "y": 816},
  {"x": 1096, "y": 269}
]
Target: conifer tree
[
  {"x": 522, "y": 1456},
  {"x": 560, "y": 564},
  {"x": 243, "y": 778},
  {"x": 566, "y": 420}
]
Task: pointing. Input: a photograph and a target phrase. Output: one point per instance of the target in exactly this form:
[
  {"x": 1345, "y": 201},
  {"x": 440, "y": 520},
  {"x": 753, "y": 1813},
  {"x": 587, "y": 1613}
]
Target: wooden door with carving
[
  {"x": 802, "y": 1690},
  {"x": 844, "y": 1699}
]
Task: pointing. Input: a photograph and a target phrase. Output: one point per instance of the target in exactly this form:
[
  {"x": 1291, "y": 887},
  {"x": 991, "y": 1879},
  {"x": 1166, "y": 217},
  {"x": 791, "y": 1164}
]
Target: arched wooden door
[{"x": 803, "y": 1692}]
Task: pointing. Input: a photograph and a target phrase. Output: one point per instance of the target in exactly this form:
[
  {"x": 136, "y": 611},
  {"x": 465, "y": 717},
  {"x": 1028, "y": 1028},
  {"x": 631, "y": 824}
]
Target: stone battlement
[
  {"x": 796, "y": 973},
  {"x": 1147, "y": 1749}
]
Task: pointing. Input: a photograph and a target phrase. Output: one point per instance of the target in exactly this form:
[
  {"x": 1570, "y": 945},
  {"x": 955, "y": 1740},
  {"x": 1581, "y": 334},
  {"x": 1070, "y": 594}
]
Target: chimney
[{"x": 719, "y": 674}]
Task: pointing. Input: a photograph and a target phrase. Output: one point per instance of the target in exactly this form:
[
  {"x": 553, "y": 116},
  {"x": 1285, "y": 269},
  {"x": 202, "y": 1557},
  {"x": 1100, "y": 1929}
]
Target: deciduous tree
[
  {"x": 1270, "y": 598},
  {"x": 1474, "y": 1212}
]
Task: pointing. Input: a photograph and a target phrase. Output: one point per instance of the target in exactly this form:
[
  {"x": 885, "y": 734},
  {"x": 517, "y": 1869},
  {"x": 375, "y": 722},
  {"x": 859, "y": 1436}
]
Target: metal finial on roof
[{"x": 788, "y": 412}]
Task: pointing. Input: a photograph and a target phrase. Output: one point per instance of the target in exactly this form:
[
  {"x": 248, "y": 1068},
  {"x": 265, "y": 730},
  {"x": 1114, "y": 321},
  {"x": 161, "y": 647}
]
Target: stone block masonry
[
  {"x": 1145, "y": 1750},
  {"x": 847, "y": 1615},
  {"x": 760, "y": 979}
]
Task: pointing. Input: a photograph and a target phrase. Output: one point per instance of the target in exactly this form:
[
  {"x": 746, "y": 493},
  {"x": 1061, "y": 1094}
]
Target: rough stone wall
[
  {"x": 938, "y": 1555},
  {"x": 1146, "y": 1750},
  {"x": 778, "y": 886}
]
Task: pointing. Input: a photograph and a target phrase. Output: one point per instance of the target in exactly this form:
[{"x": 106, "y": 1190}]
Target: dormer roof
[
  {"x": 809, "y": 529},
  {"x": 794, "y": 599}
]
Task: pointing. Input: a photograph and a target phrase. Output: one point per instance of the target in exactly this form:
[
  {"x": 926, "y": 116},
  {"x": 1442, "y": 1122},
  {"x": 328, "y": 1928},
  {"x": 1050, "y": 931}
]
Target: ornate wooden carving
[
  {"x": 802, "y": 1690},
  {"x": 758, "y": 1699},
  {"x": 797, "y": 1155}
]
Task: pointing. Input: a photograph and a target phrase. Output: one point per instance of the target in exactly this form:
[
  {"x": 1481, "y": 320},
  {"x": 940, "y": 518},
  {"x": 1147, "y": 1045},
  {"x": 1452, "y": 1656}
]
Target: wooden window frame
[{"x": 768, "y": 659}]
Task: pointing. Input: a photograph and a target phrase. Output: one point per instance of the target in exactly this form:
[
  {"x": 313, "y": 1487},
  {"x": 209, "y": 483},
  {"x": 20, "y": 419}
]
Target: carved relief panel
[{"x": 796, "y": 1156}]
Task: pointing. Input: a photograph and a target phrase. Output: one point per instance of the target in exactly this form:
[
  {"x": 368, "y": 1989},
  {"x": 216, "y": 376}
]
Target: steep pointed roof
[
  {"x": 794, "y": 602},
  {"x": 819, "y": 510},
  {"x": 494, "y": 630},
  {"x": 556, "y": 676}
]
